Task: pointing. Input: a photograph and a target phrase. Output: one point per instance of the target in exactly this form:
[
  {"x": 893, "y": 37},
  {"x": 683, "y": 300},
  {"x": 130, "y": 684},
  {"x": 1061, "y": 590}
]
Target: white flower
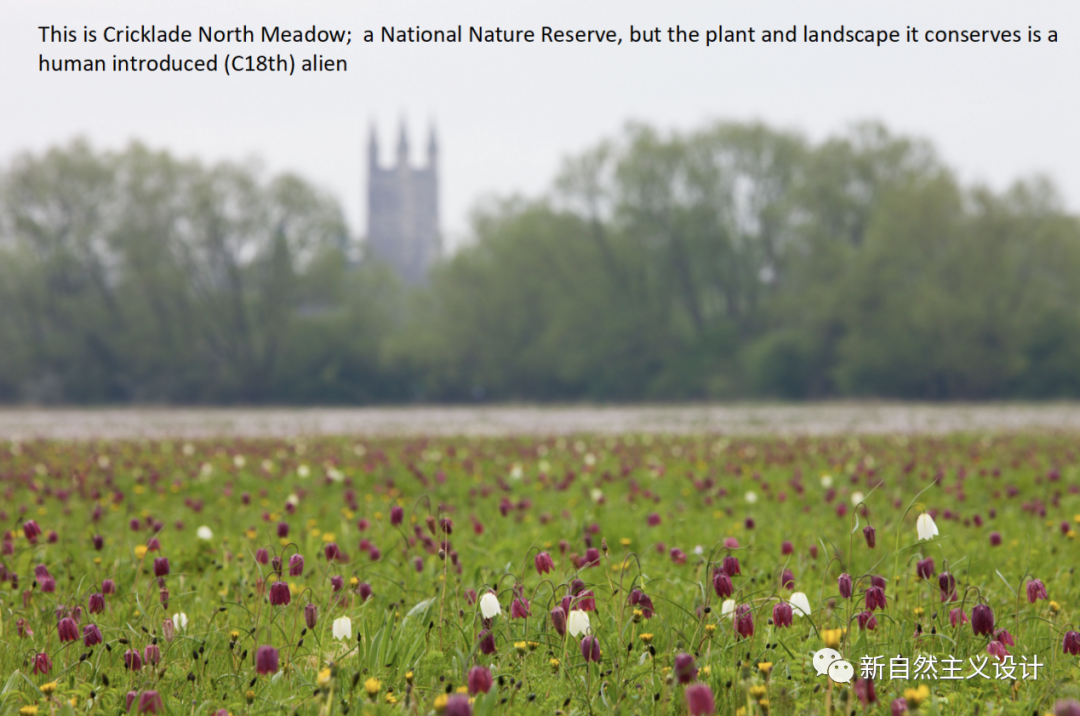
[
  {"x": 179, "y": 620},
  {"x": 727, "y": 609},
  {"x": 751, "y": 497},
  {"x": 699, "y": 550},
  {"x": 856, "y": 498},
  {"x": 204, "y": 532},
  {"x": 826, "y": 481},
  {"x": 303, "y": 471},
  {"x": 489, "y": 605},
  {"x": 578, "y": 623},
  {"x": 800, "y": 605},
  {"x": 925, "y": 527},
  {"x": 343, "y": 628}
]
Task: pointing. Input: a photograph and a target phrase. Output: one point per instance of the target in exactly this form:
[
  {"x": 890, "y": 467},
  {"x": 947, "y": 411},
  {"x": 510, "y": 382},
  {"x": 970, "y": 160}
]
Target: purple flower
[
  {"x": 590, "y": 649},
  {"x": 744, "y": 621},
  {"x": 699, "y": 700},
  {"x": 487, "y": 642},
  {"x": 925, "y": 568},
  {"x": 1005, "y": 637},
  {"x": 458, "y": 705},
  {"x": 995, "y": 539},
  {"x": 266, "y": 660},
  {"x": 685, "y": 668},
  {"x": 161, "y": 566},
  {"x": 982, "y": 620},
  {"x": 957, "y": 616},
  {"x": 108, "y": 587},
  {"x": 91, "y": 635},
  {"x": 150, "y": 702},
  {"x": 397, "y": 514},
  {"x": 864, "y": 691},
  {"x": 871, "y": 536},
  {"x": 68, "y": 629},
  {"x": 364, "y": 590},
  {"x": 721, "y": 582},
  {"x": 876, "y": 580},
  {"x": 311, "y": 615},
  {"x": 282, "y": 529},
  {"x": 1036, "y": 590},
  {"x": 296, "y": 565},
  {"x": 558, "y": 620},
  {"x": 152, "y": 654},
  {"x": 947, "y": 585},
  {"x": 1067, "y": 708},
  {"x": 781, "y": 614},
  {"x": 337, "y": 583},
  {"x": 544, "y": 563},
  {"x": 279, "y": 594},
  {"x": 787, "y": 579},
  {"x": 98, "y": 541},
  {"x": 786, "y": 548},
  {"x": 31, "y": 530},
  {"x": 844, "y": 582},
  {"x": 262, "y": 556},
  {"x": 96, "y": 603},
  {"x": 519, "y": 608},
  {"x": 130, "y": 696},
  {"x": 1071, "y": 643},
  {"x": 168, "y": 629},
  {"x": 641, "y": 600},
  {"x": 898, "y": 707},
  {"x": 875, "y": 598},
  {"x": 996, "y": 648},
  {"x": 132, "y": 660},
  {"x": 42, "y": 663},
  {"x": 331, "y": 551},
  {"x": 479, "y": 680},
  {"x": 731, "y": 566},
  {"x": 867, "y": 620}
]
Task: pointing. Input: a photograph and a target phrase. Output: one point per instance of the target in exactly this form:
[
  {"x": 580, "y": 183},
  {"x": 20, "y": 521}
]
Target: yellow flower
[
  {"x": 1054, "y": 607},
  {"x": 29, "y": 710},
  {"x": 440, "y": 703},
  {"x": 831, "y": 637},
  {"x": 914, "y": 697},
  {"x": 353, "y": 582},
  {"x": 638, "y": 616},
  {"x": 710, "y": 629},
  {"x": 48, "y": 688},
  {"x": 765, "y": 667},
  {"x": 758, "y": 691},
  {"x": 554, "y": 664},
  {"x": 625, "y": 542},
  {"x": 409, "y": 677},
  {"x": 390, "y": 698},
  {"x": 249, "y": 696},
  {"x": 918, "y": 611},
  {"x": 74, "y": 701},
  {"x": 234, "y": 635},
  {"x": 140, "y": 551},
  {"x": 324, "y": 677},
  {"x": 533, "y": 645},
  {"x": 521, "y": 646},
  {"x": 461, "y": 690},
  {"x": 372, "y": 686},
  {"x": 647, "y": 638},
  {"x": 705, "y": 670}
]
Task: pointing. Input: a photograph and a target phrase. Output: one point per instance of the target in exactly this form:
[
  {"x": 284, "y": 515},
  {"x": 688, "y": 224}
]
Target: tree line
[{"x": 733, "y": 261}]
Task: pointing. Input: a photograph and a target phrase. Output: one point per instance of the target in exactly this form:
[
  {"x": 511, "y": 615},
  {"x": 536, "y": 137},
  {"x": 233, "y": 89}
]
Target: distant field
[{"x": 736, "y": 419}]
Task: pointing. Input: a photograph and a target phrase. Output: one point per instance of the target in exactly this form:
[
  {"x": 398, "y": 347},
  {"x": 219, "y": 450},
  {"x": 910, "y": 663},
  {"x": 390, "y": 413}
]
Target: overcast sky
[{"x": 507, "y": 114}]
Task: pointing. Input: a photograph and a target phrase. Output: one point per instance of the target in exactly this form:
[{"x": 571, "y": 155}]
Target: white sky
[{"x": 507, "y": 114}]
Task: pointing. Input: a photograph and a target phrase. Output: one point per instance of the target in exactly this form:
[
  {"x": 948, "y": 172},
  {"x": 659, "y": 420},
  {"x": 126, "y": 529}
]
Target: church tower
[{"x": 403, "y": 209}]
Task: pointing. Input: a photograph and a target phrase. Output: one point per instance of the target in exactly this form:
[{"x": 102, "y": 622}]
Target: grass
[{"x": 415, "y": 638}]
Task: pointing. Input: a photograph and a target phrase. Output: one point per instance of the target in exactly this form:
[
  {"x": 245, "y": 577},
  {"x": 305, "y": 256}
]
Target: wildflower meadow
[{"x": 630, "y": 574}]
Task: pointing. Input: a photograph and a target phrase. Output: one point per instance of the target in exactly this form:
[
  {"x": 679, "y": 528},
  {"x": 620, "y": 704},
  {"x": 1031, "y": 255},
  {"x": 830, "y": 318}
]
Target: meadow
[{"x": 587, "y": 574}]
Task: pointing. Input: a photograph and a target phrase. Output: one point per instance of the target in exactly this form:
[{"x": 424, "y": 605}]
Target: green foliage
[{"x": 732, "y": 261}]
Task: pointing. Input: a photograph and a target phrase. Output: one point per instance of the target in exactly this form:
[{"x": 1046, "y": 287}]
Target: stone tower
[{"x": 403, "y": 209}]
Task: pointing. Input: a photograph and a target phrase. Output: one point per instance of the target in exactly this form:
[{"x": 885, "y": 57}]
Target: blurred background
[{"x": 570, "y": 224}]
